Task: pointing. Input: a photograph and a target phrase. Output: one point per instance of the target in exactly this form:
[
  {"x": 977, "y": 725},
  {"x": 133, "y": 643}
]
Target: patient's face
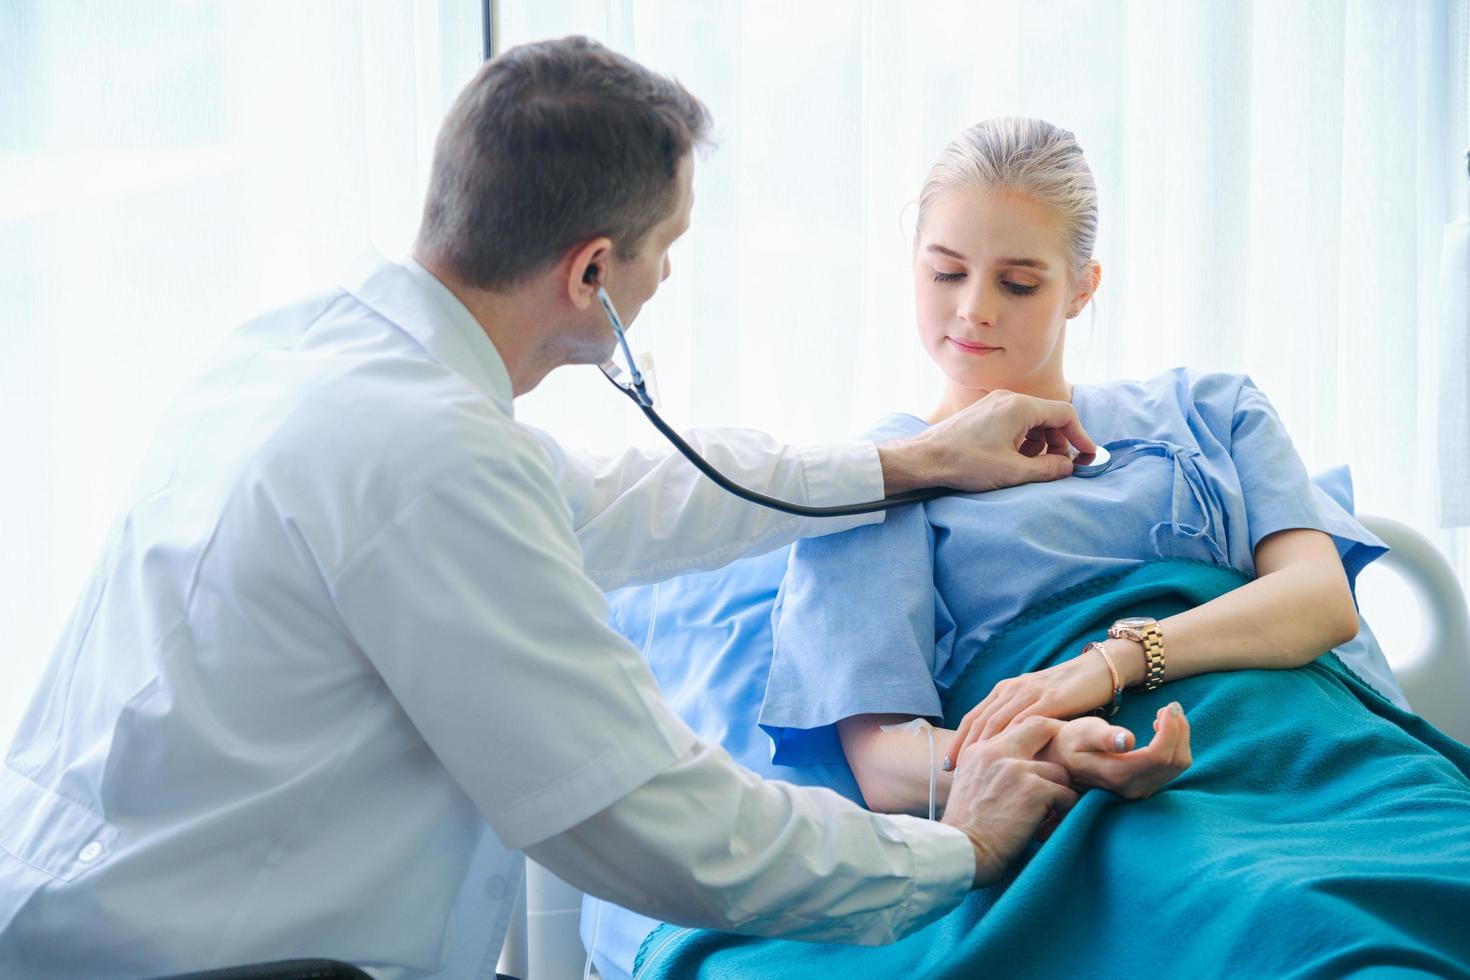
[{"x": 991, "y": 286}]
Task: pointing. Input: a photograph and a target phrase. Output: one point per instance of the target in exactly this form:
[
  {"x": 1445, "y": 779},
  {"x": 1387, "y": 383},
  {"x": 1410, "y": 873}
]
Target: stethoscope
[{"x": 634, "y": 386}]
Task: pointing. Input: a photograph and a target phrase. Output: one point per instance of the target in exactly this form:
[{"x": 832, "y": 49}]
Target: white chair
[{"x": 545, "y": 942}]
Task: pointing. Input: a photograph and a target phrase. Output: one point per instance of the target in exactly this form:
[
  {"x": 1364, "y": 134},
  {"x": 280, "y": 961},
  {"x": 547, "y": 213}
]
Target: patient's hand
[
  {"x": 1065, "y": 690},
  {"x": 1090, "y": 751}
]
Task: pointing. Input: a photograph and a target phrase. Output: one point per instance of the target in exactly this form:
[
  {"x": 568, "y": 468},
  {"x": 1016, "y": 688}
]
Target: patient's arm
[
  {"x": 892, "y": 767},
  {"x": 1298, "y": 607}
]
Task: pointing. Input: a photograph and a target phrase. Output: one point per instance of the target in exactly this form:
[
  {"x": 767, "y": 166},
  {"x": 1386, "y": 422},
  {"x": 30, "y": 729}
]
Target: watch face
[{"x": 1136, "y": 622}]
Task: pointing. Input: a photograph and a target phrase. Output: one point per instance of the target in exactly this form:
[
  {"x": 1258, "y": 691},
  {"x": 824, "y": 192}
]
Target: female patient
[
  {"x": 1003, "y": 259},
  {"x": 1320, "y": 830}
]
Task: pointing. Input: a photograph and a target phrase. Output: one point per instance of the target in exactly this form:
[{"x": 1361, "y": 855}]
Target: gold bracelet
[{"x": 1117, "y": 681}]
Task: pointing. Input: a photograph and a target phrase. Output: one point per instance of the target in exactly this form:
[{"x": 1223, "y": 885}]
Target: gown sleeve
[
  {"x": 857, "y": 627},
  {"x": 1278, "y": 493}
]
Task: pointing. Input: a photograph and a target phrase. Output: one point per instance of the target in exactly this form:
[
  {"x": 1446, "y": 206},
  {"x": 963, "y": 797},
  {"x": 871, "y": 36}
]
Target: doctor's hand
[
  {"x": 1097, "y": 754},
  {"x": 1065, "y": 690},
  {"x": 1001, "y": 440},
  {"x": 1003, "y": 793}
]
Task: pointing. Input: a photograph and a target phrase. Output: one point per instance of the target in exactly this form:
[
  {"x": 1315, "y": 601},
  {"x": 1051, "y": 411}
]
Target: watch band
[{"x": 1152, "y": 639}]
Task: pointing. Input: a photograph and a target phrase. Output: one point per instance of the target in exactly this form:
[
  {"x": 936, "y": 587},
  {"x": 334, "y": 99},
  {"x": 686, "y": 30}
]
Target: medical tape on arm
[{"x": 915, "y": 727}]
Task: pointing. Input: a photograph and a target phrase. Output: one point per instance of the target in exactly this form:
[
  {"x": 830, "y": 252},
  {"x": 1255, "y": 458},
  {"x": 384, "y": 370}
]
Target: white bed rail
[{"x": 1436, "y": 677}]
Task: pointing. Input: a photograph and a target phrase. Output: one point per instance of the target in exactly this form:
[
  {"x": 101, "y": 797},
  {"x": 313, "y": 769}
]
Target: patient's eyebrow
[
  {"x": 1021, "y": 263},
  {"x": 947, "y": 251}
]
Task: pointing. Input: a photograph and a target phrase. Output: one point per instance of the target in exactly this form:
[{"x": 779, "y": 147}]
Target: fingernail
[
  {"x": 1176, "y": 708},
  {"x": 946, "y": 765},
  {"x": 1120, "y": 742}
]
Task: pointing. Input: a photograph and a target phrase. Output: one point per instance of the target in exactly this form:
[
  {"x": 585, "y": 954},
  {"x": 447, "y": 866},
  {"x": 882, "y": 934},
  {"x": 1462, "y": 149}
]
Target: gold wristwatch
[{"x": 1142, "y": 629}]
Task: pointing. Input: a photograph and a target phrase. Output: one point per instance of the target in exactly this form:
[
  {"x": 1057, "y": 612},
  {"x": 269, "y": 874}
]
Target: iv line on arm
[{"x": 915, "y": 727}]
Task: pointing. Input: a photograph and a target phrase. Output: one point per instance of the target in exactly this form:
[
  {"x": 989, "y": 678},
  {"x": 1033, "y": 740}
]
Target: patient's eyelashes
[{"x": 1014, "y": 288}]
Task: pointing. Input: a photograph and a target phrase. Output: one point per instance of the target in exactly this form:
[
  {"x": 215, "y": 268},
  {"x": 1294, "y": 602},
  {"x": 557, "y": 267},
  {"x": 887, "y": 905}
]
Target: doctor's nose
[{"x": 668, "y": 268}]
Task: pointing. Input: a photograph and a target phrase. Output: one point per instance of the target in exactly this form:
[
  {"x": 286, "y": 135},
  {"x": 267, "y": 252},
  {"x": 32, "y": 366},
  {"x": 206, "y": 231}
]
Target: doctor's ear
[{"x": 586, "y": 269}]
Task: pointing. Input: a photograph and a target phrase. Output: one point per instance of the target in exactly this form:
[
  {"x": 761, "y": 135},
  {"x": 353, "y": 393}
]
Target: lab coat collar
[{"x": 409, "y": 296}]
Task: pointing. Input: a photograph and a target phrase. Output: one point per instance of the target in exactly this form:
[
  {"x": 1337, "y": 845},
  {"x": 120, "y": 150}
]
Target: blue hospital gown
[
  {"x": 874, "y": 619},
  {"x": 884, "y": 618}
]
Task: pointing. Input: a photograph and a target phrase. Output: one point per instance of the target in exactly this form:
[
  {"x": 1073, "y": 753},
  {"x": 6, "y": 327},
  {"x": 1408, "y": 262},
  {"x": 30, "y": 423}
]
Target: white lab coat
[{"x": 340, "y": 661}]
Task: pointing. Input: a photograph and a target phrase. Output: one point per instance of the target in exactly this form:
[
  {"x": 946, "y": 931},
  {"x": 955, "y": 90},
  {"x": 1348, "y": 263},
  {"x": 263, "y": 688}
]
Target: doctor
[{"x": 344, "y": 657}]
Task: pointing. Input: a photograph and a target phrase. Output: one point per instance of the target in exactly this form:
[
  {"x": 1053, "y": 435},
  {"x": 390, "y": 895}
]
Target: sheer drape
[
  {"x": 1454, "y": 389},
  {"x": 1276, "y": 178},
  {"x": 166, "y": 170},
  {"x": 1275, "y": 181}
]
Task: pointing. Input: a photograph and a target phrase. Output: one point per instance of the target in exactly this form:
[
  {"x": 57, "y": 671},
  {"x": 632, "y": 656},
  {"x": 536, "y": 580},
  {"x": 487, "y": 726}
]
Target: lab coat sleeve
[
  {"x": 645, "y": 516},
  {"x": 471, "y": 605},
  {"x": 708, "y": 843}
]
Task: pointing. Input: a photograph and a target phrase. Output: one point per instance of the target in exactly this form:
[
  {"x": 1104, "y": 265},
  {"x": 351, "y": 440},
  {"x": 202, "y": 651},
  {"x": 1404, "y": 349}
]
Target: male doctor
[{"x": 345, "y": 656}]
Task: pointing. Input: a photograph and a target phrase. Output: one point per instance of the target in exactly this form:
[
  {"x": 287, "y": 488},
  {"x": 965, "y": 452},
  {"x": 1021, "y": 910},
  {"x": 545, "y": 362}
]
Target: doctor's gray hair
[
  {"x": 1030, "y": 156},
  {"x": 553, "y": 144}
]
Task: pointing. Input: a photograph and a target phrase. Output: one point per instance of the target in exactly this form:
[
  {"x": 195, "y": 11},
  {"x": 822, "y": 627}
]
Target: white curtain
[
  {"x": 1275, "y": 179},
  {"x": 168, "y": 169},
  {"x": 1454, "y": 389}
]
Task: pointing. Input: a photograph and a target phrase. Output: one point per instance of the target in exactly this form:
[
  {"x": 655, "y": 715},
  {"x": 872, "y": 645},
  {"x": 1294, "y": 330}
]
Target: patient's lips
[{"x": 973, "y": 347}]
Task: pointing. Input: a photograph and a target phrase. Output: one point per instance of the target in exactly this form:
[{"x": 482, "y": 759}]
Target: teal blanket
[{"x": 1321, "y": 832}]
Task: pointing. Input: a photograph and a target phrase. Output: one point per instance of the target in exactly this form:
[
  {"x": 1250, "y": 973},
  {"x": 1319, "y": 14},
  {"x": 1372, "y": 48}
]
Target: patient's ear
[{"x": 1087, "y": 285}]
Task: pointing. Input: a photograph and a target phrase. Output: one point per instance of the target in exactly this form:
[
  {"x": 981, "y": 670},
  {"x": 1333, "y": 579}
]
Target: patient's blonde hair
[{"x": 1031, "y": 156}]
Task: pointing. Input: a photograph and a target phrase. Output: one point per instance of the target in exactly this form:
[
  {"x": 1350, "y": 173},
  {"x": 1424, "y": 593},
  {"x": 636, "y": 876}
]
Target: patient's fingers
[
  {"x": 961, "y": 739},
  {"x": 1093, "y": 734},
  {"x": 976, "y": 716},
  {"x": 1173, "y": 733},
  {"x": 1163, "y": 758},
  {"x": 1000, "y": 716},
  {"x": 1033, "y": 708},
  {"x": 1183, "y": 756},
  {"x": 1092, "y": 749},
  {"x": 1114, "y": 739}
]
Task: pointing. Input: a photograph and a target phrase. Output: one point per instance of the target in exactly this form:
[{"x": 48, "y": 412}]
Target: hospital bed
[{"x": 544, "y": 942}]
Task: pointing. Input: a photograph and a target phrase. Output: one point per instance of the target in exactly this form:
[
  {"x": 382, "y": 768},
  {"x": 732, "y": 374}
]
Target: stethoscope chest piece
[{"x": 1088, "y": 465}]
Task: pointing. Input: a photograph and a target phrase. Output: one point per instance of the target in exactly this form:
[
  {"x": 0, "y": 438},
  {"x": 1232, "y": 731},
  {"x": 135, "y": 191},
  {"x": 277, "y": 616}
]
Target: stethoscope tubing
[
  {"x": 637, "y": 392},
  {"x": 774, "y": 503}
]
